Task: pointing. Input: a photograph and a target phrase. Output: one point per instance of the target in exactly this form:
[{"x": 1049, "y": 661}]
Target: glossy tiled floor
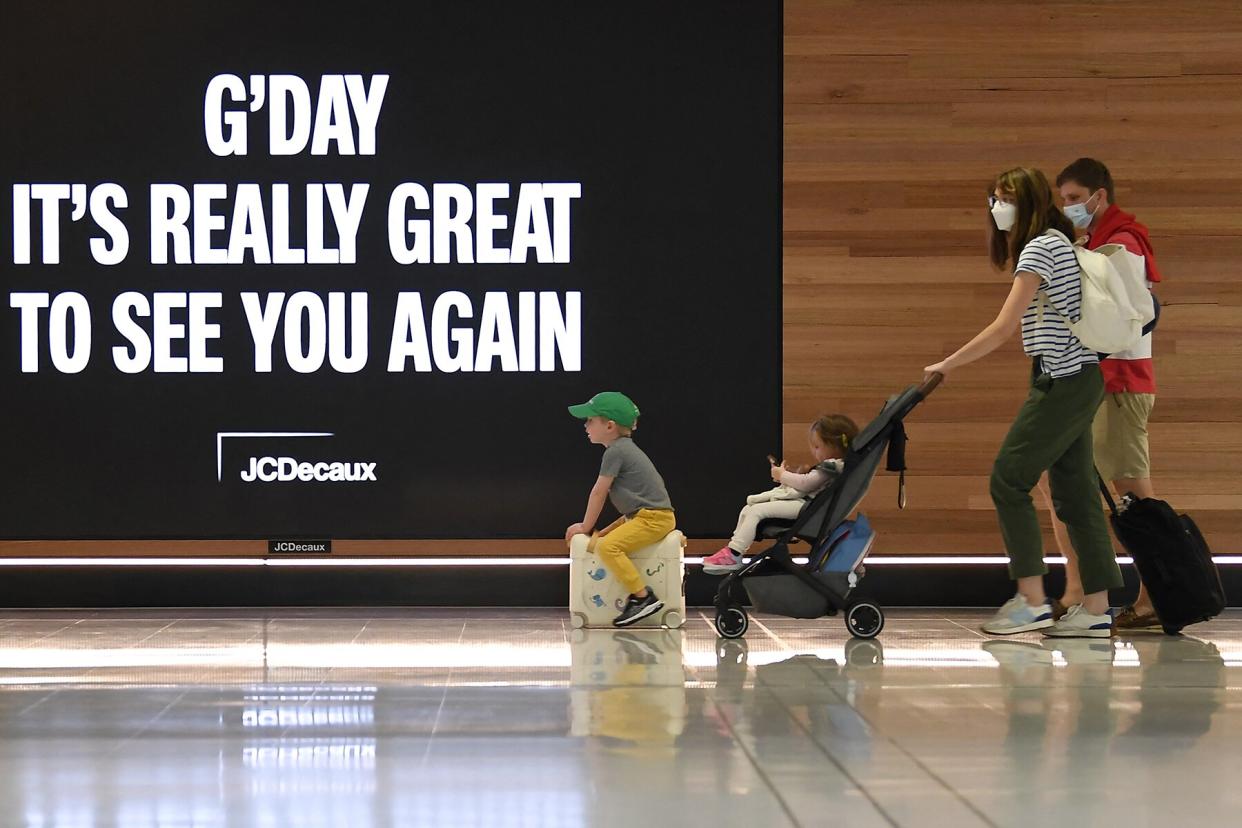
[{"x": 506, "y": 717}]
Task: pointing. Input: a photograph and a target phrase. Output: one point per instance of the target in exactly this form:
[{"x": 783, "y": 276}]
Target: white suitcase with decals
[{"x": 596, "y": 597}]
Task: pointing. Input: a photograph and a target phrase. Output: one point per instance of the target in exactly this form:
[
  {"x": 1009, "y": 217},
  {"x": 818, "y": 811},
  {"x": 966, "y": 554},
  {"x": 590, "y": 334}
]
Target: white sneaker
[
  {"x": 1078, "y": 623},
  {"x": 1015, "y": 616}
]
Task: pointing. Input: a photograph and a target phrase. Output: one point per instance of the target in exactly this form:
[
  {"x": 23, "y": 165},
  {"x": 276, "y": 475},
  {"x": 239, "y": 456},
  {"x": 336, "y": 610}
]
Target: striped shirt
[{"x": 1052, "y": 259}]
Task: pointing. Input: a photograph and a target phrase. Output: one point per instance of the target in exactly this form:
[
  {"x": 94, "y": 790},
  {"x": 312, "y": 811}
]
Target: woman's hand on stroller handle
[{"x": 933, "y": 375}]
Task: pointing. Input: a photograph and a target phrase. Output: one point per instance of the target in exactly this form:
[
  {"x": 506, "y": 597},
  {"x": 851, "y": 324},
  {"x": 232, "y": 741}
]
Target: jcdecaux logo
[
  {"x": 273, "y": 468},
  {"x": 285, "y": 469}
]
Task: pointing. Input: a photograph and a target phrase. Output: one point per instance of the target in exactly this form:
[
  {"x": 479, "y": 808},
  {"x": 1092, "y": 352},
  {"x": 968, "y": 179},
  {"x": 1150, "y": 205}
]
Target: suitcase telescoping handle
[{"x": 1108, "y": 496}]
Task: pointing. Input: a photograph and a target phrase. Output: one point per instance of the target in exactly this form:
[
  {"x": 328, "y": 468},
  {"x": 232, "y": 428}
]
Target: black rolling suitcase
[{"x": 1172, "y": 558}]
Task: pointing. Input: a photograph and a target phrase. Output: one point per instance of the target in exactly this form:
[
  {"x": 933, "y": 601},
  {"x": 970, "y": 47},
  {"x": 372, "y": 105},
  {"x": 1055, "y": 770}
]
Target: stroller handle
[{"x": 930, "y": 383}]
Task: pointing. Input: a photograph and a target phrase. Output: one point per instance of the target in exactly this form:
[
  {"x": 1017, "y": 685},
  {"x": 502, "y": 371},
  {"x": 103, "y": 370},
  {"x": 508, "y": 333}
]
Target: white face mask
[
  {"x": 1079, "y": 215},
  {"x": 1004, "y": 214}
]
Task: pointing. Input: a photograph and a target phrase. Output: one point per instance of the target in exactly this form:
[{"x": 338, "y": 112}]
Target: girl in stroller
[{"x": 829, "y": 438}]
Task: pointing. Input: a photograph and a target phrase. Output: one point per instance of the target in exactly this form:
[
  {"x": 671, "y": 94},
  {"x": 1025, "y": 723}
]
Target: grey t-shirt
[{"x": 636, "y": 483}]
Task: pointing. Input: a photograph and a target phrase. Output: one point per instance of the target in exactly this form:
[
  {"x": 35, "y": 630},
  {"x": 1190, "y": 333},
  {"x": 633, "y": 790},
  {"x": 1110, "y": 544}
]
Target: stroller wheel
[
  {"x": 731, "y": 622},
  {"x": 864, "y": 619}
]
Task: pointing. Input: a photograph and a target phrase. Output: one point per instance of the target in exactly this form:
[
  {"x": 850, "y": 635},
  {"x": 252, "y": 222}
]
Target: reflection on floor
[{"x": 508, "y": 717}]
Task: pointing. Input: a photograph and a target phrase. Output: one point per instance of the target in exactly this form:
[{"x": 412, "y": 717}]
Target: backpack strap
[
  {"x": 1044, "y": 301},
  {"x": 1052, "y": 231},
  {"x": 1155, "y": 320}
]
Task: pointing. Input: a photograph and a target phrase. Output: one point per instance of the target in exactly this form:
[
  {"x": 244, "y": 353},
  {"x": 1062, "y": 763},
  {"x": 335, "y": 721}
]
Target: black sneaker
[{"x": 636, "y": 609}]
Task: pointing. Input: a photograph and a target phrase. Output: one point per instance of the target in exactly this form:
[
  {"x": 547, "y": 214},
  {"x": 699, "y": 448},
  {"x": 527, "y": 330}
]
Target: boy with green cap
[{"x": 629, "y": 479}]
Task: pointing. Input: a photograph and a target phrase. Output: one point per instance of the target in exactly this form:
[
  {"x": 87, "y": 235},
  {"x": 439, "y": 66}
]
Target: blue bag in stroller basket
[{"x": 848, "y": 544}]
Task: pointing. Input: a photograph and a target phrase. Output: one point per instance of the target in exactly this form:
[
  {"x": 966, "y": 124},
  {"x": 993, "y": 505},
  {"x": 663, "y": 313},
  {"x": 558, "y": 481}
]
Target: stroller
[{"x": 826, "y": 585}]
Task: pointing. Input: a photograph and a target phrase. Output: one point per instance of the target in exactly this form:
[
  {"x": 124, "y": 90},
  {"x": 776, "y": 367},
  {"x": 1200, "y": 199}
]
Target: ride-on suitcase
[
  {"x": 1173, "y": 560},
  {"x": 596, "y": 597}
]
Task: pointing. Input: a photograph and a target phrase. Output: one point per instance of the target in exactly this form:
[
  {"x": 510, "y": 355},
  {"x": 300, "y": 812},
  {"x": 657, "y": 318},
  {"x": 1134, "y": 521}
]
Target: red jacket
[{"x": 1130, "y": 370}]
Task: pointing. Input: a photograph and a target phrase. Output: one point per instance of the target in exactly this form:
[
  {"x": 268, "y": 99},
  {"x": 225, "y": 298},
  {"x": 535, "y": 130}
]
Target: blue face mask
[{"x": 1079, "y": 215}]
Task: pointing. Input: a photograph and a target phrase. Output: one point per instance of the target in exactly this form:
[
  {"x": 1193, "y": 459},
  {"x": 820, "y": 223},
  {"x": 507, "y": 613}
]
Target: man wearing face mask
[{"x": 1120, "y": 427}]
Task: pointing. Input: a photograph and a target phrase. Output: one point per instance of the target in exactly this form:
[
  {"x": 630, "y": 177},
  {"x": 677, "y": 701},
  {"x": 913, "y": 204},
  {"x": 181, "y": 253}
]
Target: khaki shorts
[{"x": 1120, "y": 436}]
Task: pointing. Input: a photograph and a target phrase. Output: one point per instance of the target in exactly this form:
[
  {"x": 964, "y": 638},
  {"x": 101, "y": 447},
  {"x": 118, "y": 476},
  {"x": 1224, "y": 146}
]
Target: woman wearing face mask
[{"x": 1052, "y": 431}]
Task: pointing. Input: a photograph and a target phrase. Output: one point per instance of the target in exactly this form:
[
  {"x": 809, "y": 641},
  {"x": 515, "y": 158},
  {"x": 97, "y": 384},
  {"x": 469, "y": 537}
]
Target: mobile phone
[{"x": 772, "y": 460}]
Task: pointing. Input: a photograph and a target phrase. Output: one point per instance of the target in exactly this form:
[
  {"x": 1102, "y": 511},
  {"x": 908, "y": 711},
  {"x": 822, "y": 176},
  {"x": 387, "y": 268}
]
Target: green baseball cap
[{"x": 611, "y": 404}]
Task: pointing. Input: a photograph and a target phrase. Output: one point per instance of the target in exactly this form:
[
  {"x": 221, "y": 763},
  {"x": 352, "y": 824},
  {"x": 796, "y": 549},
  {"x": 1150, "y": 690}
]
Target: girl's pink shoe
[{"x": 726, "y": 560}]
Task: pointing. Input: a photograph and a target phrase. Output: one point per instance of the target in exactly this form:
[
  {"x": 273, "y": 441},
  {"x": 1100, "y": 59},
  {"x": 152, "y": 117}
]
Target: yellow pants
[{"x": 648, "y": 526}]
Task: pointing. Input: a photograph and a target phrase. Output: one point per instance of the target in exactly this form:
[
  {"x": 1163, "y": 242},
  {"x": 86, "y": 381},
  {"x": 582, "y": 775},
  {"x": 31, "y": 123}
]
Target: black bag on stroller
[{"x": 776, "y": 584}]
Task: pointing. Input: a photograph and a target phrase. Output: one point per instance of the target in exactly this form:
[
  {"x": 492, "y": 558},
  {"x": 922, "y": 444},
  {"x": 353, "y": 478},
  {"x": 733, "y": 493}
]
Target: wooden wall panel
[{"x": 897, "y": 116}]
